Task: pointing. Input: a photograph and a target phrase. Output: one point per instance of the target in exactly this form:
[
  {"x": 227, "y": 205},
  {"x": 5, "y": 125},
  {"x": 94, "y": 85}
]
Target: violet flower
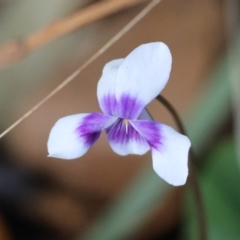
[{"x": 124, "y": 89}]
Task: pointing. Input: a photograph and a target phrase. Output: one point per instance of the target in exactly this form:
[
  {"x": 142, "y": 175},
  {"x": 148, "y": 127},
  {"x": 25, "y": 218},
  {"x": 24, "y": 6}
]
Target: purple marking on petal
[
  {"x": 91, "y": 138},
  {"x": 117, "y": 133},
  {"x": 151, "y": 131},
  {"x": 109, "y": 103},
  {"x": 129, "y": 107},
  {"x": 91, "y": 126}
]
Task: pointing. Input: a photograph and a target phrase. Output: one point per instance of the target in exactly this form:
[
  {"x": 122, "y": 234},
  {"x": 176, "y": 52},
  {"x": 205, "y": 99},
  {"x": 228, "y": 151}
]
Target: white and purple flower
[{"x": 124, "y": 89}]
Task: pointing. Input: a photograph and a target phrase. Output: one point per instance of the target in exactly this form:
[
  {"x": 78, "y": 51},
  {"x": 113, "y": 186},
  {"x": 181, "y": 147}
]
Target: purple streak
[
  {"x": 127, "y": 107},
  {"x": 117, "y": 133},
  {"x": 151, "y": 131},
  {"x": 109, "y": 105},
  {"x": 91, "y": 126}
]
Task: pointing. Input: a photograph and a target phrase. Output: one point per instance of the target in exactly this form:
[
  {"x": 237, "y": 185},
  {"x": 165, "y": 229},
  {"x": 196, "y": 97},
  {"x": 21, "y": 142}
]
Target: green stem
[{"x": 193, "y": 181}]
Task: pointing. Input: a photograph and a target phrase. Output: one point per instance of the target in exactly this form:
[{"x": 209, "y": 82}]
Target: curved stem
[{"x": 193, "y": 181}]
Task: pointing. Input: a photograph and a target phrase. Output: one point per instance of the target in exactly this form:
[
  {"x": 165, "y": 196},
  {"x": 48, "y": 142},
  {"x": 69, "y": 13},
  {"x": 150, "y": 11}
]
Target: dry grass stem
[
  {"x": 15, "y": 50},
  {"x": 103, "y": 49}
]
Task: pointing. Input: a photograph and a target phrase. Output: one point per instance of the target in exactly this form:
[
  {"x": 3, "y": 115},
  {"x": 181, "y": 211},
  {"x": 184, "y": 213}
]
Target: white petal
[
  {"x": 169, "y": 150},
  {"x": 72, "y": 136},
  {"x": 124, "y": 139},
  {"x": 143, "y": 74},
  {"x": 106, "y": 87},
  {"x": 171, "y": 161}
]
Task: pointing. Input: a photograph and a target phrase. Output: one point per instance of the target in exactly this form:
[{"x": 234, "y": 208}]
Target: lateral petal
[
  {"x": 124, "y": 139},
  {"x": 141, "y": 77},
  {"x": 72, "y": 136},
  {"x": 169, "y": 150}
]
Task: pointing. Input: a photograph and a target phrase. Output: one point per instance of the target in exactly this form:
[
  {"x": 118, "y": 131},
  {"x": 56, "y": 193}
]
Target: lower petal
[
  {"x": 72, "y": 136},
  {"x": 169, "y": 150},
  {"x": 124, "y": 139}
]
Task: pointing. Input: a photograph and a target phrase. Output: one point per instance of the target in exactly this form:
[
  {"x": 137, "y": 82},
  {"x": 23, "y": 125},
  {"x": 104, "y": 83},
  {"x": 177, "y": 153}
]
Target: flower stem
[{"x": 193, "y": 181}]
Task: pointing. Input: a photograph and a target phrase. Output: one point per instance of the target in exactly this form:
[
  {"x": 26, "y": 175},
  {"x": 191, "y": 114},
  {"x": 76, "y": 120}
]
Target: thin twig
[
  {"x": 15, "y": 50},
  {"x": 103, "y": 49},
  {"x": 192, "y": 176}
]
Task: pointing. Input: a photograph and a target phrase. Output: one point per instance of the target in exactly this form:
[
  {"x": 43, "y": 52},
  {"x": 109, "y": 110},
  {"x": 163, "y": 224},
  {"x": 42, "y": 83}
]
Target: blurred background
[{"x": 104, "y": 196}]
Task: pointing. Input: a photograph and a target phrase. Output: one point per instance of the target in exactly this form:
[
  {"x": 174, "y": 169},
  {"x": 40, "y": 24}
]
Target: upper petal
[
  {"x": 128, "y": 85},
  {"x": 124, "y": 139},
  {"x": 106, "y": 87},
  {"x": 141, "y": 77},
  {"x": 73, "y": 135},
  {"x": 169, "y": 150}
]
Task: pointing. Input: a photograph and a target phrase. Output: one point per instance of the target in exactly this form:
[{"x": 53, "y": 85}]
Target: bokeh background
[{"x": 104, "y": 196}]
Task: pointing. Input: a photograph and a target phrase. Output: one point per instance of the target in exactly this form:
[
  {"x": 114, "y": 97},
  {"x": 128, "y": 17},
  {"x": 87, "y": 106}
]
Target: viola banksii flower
[{"x": 124, "y": 89}]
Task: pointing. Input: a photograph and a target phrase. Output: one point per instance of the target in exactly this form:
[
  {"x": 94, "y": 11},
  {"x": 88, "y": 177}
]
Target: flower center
[{"x": 126, "y": 122}]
